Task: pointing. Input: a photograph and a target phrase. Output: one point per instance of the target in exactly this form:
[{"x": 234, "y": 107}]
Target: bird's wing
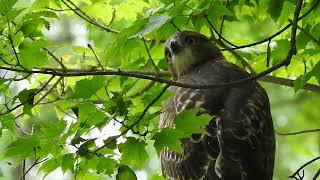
[
  {"x": 241, "y": 143},
  {"x": 200, "y": 152},
  {"x": 247, "y": 141}
]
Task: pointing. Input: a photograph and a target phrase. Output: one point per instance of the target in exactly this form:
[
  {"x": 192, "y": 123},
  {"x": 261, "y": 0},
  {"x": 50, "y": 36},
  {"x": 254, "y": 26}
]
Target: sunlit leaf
[
  {"x": 302, "y": 80},
  {"x": 133, "y": 152},
  {"x": 26, "y": 98},
  {"x": 170, "y": 138},
  {"x": 67, "y": 163},
  {"x": 88, "y": 87},
  {"x": 106, "y": 166},
  {"x": 190, "y": 123},
  {"x": 50, "y": 165},
  {"x": 27, "y": 144},
  {"x": 125, "y": 173}
]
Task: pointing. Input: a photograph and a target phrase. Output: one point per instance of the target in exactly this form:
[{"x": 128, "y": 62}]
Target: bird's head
[{"x": 185, "y": 50}]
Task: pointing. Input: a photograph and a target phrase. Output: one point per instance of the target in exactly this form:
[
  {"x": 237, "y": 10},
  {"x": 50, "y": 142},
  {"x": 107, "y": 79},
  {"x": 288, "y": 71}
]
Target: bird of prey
[{"x": 240, "y": 144}]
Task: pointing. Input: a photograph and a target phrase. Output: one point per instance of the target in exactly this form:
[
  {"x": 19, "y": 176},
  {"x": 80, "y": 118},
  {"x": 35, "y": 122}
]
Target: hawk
[{"x": 240, "y": 144}]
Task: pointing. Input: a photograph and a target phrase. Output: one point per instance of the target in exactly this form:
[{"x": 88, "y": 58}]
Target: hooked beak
[{"x": 175, "y": 47}]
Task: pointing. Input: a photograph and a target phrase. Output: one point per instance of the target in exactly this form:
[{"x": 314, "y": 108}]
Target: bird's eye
[
  {"x": 167, "y": 54},
  {"x": 190, "y": 40}
]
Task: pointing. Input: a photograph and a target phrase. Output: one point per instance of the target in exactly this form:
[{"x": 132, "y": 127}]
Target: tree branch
[
  {"x": 29, "y": 98},
  {"x": 277, "y": 33},
  {"x": 36, "y": 162},
  {"x": 42, "y": 97},
  {"x": 149, "y": 55},
  {"x": 154, "y": 76},
  {"x": 95, "y": 55},
  {"x": 293, "y": 176},
  {"x": 298, "y": 132},
  {"x": 86, "y": 17},
  {"x": 288, "y": 82},
  {"x": 138, "y": 120}
]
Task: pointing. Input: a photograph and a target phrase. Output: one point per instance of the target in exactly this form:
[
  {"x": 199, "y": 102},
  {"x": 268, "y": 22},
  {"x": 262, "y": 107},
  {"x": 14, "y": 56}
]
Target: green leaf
[
  {"x": 77, "y": 139},
  {"x": 110, "y": 142},
  {"x": 67, "y": 163},
  {"x": 190, "y": 123},
  {"x": 7, "y": 122},
  {"x": 12, "y": 14},
  {"x": 89, "y": 115},
  {"x": 6, "y": 5},
  {"x": 280, "y": 51},
  {"x": 287, "y": 11},
  {"x": 50, "y": 165},
  {"x": 154, "y": 23},
  {"x": 52, "y": 129},
  {"x": 170, "y": 138},
  {"x": 116, "y": 2},
  {"x": 275, "y": 7},
  {"x": 32, "y": 27},
  {"x": 31, "y": 55},
  {"x": 26, "y": 97},
  {"x": 125, "y": 173},
  {"x": 157, "y": 177},
  {"x": 216, "y": 11},
  {"x": 85, "y": 88},
  {"x": 133, "y": 152},
  {"x": 302, "y": 80},
  {"x": 22, "y": 148},
  {"x": 84, "y": 149},
  {"x": 35, "y": 15},
  {"x": 106, "y": 166}
]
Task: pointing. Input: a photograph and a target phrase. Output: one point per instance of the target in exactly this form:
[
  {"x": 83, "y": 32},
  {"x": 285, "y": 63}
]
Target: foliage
[{"x": 88, "y": 102}]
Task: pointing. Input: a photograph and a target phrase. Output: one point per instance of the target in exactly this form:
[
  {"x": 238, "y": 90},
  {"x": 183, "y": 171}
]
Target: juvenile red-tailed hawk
[{"x": 241, "y": 144}]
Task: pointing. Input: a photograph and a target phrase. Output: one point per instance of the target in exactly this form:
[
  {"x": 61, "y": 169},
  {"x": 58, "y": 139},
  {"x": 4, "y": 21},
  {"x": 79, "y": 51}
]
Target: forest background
[{"x": 83, "y": 81}]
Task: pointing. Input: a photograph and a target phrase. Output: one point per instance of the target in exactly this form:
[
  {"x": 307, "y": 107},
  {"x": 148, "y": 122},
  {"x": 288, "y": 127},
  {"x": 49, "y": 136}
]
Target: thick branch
[
  {"x": 288, "y": 82},
  {"x": 153, "y": 76}
]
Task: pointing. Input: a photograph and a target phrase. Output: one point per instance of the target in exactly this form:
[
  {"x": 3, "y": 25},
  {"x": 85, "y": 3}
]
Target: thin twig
[
  {"x": 52, "y": 9},
  {"x": 268, "y": 53},
  {"x": 143, "y": 90},
  {"x": 42, "y": 97},
  {"x": 138, "y": 120},
  {"x": 317, "y": 41},
  {"x": 29, "y": 98},
  {"x": 303, "y": 166},
  {"x": 24, "y": 169},
  {"x": 55, "y": 58},
  {"x": 32, "y": 166},
  {"x": 150, "y": 58},
  {"x": 222, "y": 21},
  {"x": 86, "y": 17},
  {"x": 95, "y": 55},
  {"x": 112, "y": 17},
  {"x": 316, "y": 175},
  {"x": 174, "y": 25},
  {"x": 298, "y": 132},
  {"x": 240, "y": 58},
  {"x": 288, "y": 82},
  {"x": 47, "y": 50},
  {"x": 219, "y": 35},
  {"x": 277, "y": 33}
]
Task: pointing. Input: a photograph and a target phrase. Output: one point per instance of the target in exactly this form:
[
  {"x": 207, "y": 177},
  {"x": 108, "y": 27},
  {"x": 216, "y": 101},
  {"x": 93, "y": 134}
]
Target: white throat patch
[{"x": 183, "y": 61}]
